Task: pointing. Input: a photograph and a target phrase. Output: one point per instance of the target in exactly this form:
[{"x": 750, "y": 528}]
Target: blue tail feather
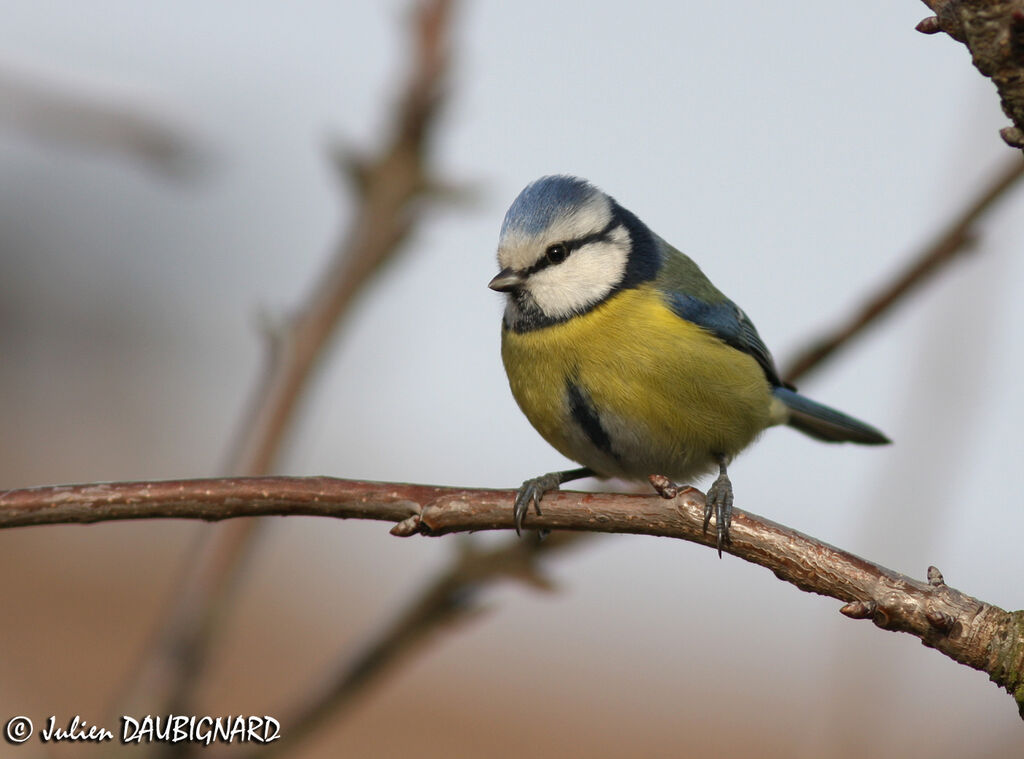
[{"x": 824, "y": 423}]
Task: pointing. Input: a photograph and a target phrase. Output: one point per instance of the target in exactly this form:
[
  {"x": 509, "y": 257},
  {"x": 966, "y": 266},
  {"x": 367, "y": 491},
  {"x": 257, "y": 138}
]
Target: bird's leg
[
  {"x": 533, "y": 490},
  {"x": 719, "y": 501}
]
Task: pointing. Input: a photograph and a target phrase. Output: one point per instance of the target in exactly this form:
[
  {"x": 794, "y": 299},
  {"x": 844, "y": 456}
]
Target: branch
[
  {"x": 53, "y": 107},
  {"x": 390, "y": 190},
  {"x": 969, "y": 631},
  {"x": 450, "y": 598},
  {"x": 953, "y": 241},
  {"x": 993, "y": 30}
]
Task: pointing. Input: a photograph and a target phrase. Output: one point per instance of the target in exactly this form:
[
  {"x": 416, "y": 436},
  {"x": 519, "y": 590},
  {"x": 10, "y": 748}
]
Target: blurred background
[{"x": 800, "y": 154}]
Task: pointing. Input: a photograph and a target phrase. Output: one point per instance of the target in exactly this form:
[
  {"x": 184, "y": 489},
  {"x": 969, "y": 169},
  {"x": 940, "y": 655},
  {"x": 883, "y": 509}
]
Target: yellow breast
[{"x": 668, "y": 395}]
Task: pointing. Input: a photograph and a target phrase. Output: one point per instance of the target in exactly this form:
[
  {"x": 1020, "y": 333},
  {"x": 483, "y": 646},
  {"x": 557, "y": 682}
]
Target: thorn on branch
[
  {"x": 929, "y": 25},
  {"x": 407, "y": 527},
  {"x": 667, "y": 489},
  {"x": 663, "y": 486},
  {"x": 350, "y": 165},
  {"x": 859, "y": 609},
  {"x": 1012, "y": 136},
  {"x": 935, "y": 578}
]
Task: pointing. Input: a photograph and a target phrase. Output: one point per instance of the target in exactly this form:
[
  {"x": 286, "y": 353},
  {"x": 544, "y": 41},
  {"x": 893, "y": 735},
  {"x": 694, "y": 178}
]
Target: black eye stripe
[{"x": 573, "y": 245}]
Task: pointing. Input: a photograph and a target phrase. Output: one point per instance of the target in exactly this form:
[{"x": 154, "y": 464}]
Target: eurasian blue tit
[{"x": 626, "y": 358}]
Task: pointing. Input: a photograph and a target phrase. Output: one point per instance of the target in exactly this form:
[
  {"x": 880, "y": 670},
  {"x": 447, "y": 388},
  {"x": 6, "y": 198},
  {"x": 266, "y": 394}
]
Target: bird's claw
[
  {"x": 530, "y": 493},
  {"x": 719, "y": 502}
]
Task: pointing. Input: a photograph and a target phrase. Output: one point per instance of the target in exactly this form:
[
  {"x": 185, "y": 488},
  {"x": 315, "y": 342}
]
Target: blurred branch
[
  {"x": 83, "y": 115},
  {"x": 954, "y": 240},
  {"x": 450, "y": 598},
  {"x": 969, "y": 631},
  {"x": 390, "y": 189},
  {"x": 993, "y": 31}
]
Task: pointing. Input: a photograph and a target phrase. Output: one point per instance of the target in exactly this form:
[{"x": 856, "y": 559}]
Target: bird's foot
[
  {"x": 530, "y": 493},
  {"x": 718, "y": 501},
  {"x": 533, "y": 490}
]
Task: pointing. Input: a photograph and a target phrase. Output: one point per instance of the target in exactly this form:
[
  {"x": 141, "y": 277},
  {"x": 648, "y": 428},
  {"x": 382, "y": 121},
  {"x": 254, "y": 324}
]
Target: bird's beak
[{"x": 506, "y": 280}]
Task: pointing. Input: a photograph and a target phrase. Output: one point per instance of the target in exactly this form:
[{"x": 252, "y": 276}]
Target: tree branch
[
  {"x": 390, "y": 189},
  {"x": 993, "y": 31},
  {"x": 969, "y": 631},
  {"x": 950, "y": 243},
  {"x": 449, "y": 598},
  {"x": 101, "y": 117}
]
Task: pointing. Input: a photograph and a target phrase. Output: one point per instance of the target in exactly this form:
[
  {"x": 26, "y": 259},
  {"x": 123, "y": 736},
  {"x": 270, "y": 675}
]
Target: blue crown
[{"x": 545, "y": 200}]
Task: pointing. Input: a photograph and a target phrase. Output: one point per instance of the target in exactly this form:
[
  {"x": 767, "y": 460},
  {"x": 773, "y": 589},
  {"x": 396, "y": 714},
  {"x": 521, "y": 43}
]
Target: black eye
[{"x": 556, "y": 253}]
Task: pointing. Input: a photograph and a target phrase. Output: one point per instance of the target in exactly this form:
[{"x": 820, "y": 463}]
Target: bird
[{"x": 626, "y": 358}]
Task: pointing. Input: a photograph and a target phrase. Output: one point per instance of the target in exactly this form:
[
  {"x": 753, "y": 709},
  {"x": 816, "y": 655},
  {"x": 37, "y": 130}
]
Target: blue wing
[{"x": 726, "y": 321}]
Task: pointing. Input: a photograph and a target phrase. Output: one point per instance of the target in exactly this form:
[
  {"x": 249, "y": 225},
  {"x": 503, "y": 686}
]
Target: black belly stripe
[{"x": 586, "y": 416}]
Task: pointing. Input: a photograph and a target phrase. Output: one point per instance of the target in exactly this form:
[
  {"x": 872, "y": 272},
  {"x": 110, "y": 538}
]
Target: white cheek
[{"x": 587, "y": 276}]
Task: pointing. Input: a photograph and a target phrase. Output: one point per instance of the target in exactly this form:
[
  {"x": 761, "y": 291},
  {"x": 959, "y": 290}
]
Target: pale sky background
[{"x": 799, "y": 153}]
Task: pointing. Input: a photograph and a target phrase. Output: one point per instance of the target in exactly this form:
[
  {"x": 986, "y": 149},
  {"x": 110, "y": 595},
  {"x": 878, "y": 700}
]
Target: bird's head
[{"x": 565, "y": 247}]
